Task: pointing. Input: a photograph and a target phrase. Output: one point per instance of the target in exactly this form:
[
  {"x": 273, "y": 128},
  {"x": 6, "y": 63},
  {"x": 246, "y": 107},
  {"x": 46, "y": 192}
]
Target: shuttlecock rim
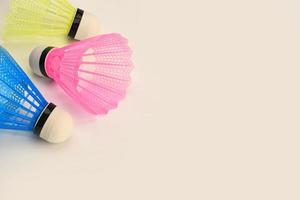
[{"x": 37, "y": 60}]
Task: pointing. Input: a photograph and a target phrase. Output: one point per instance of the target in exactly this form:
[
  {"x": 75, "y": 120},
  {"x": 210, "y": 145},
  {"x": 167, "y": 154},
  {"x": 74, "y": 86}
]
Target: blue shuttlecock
[{"x": 22, "y": 106}]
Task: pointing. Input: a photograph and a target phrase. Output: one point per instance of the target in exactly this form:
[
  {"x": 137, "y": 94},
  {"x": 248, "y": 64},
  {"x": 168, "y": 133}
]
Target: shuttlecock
[
  {"x": 22, "y": 107},
  {"x": 33, "y": 18},
  {"x": 94, "y": 72}
]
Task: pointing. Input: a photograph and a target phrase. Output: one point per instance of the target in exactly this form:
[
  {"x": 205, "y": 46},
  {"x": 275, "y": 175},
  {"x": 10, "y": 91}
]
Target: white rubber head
[
  {"x": 88, "y": 27},
  {"x": 58, "y": 127},
  {"x": 34, "y": 60}
]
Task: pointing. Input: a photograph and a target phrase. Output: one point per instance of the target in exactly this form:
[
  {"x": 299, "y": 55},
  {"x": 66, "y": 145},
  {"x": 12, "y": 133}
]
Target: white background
[{"x": 213, "y": 111}]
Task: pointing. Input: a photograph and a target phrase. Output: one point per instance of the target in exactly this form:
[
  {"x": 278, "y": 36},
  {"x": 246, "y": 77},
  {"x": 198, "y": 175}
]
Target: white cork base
[
  {"x": 58, "y": 127},
  {"x": 34, "y": 60},
  {"x": 88, "y": 27}
]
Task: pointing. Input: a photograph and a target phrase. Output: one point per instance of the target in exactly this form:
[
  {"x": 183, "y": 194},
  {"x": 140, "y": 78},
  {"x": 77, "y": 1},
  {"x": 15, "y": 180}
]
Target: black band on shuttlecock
[
  {"x": 43, "y": 118},
  {"x": 43, "y": 59},
  {"x": 76, "y": 23}
]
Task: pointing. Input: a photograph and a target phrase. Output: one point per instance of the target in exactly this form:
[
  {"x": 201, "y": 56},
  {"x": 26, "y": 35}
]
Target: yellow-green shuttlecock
[{"x": 49, "y": 18}]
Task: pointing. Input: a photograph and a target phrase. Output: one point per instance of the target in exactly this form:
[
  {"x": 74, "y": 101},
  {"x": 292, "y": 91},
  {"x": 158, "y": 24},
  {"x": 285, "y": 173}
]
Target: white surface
[
  {"x": 58, "y": 127},
  {"x": 213, "y": 112},
  {"x": 89, "y": 26}
]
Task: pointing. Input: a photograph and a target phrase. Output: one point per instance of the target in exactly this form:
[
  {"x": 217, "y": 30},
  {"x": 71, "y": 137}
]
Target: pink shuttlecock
[{"x": 94, "y": 72}]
